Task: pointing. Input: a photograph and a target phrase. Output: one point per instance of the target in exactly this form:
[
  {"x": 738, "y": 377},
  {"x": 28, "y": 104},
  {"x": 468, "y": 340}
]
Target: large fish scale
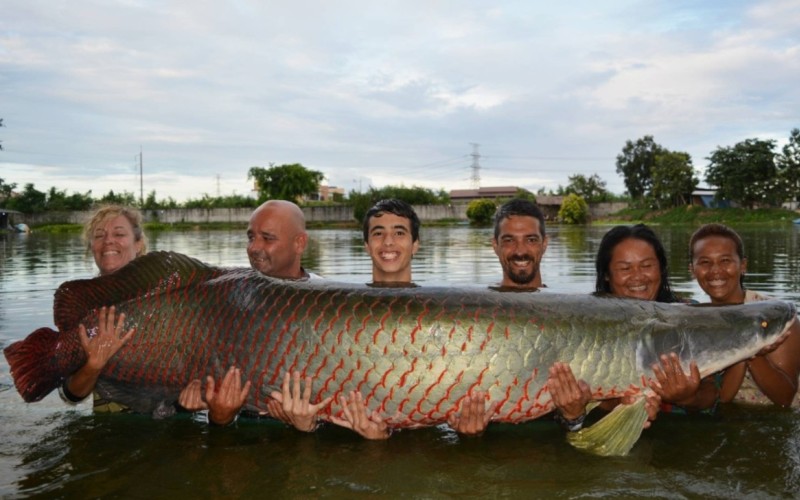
[{"x": 414, "y": 353}]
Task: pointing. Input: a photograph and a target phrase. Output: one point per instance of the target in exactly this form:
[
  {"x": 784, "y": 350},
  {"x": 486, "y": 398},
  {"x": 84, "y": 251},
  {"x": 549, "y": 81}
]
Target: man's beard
[{"x": 521, "y": 278}]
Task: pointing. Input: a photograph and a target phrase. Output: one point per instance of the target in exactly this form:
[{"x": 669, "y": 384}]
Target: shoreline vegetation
[{"x": 680, "y": 215}]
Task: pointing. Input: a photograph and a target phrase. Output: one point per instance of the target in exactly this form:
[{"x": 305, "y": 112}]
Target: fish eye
[{"x": 764, "y": 323}]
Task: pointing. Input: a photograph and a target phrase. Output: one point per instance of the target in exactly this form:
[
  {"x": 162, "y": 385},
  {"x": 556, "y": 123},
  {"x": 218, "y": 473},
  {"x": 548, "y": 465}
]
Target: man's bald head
[{"x": 277, "y": 237}]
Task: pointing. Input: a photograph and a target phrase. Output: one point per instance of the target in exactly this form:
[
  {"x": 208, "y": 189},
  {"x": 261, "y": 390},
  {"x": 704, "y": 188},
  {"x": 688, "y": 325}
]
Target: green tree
[
  {"x": 592, "y": 189},
  {"x": 481, "y": 211},
  {"x": 574, "y": 210},
  {"x": 745, "y": 173},
  {"x": 673, "y": 179},
  {"x": 361, "y": 202},
  {"x": 150, "y": 202},
  {"x": 414, "y": 195},
  {"x": 5, "y": 192},
  {"x": 125, "y": 198},
  {"x": 58, "y": 200},
  {"x": 231, "y": 201},
  {"x": 789, "y": 167},
  {"x": 285, "y": 182},
  {"x": 635, "y": 164},
  {"x": 524, "y": 194},
  {"x": 30, "y": 201}
]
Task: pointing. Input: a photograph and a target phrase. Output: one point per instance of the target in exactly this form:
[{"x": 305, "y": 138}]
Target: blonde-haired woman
[{"x": 114, "y": 236}]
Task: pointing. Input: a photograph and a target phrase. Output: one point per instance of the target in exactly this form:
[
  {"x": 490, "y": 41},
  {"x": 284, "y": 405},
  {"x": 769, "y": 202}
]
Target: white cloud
[{"x": 377, "y": 90}]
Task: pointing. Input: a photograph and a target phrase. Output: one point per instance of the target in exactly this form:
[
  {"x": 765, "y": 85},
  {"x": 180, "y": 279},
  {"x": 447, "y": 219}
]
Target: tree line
[{"x": 750, "y": 173}]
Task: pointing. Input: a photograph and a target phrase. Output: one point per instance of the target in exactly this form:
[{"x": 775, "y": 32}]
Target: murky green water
[{"x": 50, "y": 450}]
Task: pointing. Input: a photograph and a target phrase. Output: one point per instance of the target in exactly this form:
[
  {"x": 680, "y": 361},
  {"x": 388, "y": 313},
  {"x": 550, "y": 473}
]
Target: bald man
[{"x": 276, "y": 239}]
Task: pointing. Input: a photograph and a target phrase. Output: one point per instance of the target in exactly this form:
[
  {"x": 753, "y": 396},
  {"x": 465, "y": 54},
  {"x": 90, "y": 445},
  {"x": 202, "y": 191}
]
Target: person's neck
[
  {"x": 403, "y": 276},
  {"x": 736, "y": 297},
  {"x": 294, "y": 274},
  {"x": 532, "y": 284}
]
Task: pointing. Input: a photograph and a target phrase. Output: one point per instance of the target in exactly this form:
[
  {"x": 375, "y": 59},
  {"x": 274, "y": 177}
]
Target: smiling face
[
  {"x": 718, "y": 269},
  {"x": 391, "y": 247},
  {"x": 634, "y": 270},
  {"x": 519, "y": 247},
  {"x": 114, "y": 244},
  {"x": 276, "y": 240}
]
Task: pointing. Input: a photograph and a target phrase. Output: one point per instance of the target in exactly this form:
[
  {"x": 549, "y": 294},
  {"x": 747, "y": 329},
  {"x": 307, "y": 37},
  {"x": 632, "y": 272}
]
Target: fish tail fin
[
  {"x": 34, "y": 365},
  {"x": 615, "y": 434}
]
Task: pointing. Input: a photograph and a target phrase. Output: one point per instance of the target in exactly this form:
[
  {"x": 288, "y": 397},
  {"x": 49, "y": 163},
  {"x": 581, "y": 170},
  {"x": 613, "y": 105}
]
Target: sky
[{"x": 376, "y": 93}]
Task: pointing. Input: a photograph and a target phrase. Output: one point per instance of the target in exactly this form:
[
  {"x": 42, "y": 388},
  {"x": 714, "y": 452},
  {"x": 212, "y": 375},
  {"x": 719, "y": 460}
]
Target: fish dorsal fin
[{"x": 150, "y": 273}]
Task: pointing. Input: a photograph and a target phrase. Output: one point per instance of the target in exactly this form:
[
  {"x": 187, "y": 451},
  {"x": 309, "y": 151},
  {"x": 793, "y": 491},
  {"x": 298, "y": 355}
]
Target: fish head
[{"x": 714, "y": 337}]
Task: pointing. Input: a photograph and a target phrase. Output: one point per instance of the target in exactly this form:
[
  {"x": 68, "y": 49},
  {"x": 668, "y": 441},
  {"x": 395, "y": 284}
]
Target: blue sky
[{"x": 377, "y": 93}]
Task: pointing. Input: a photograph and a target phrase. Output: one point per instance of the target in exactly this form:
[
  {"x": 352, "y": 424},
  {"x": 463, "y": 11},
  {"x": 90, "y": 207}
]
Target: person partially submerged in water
[
  {"x": 114, "y": 236},
  {"x": 717, "y": 261}
]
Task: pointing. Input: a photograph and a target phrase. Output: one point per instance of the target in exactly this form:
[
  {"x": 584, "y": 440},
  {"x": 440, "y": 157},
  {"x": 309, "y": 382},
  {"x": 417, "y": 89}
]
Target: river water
[{"x": 50, "y": 450}]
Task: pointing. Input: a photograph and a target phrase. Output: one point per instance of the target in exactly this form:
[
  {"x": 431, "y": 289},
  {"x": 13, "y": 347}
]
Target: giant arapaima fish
[{"x": 414, "y": 353}]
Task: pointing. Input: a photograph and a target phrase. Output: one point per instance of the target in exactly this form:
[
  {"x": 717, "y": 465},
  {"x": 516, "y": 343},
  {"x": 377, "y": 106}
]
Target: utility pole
[
  {"x": 217, "y": 185},
  {"x": 141, "y": 179},
  {"x": 475, "y": 178}
]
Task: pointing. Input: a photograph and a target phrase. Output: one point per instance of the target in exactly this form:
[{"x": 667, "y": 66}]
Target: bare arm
[
  {"x": 732, "y": 381},
  {"x": 776, "y": 372}
]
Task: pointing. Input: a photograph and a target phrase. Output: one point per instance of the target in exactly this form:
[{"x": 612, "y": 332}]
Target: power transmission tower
[{"x": 475, "y": 178}]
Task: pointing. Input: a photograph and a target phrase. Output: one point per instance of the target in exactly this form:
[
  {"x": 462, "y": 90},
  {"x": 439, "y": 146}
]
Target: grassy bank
[
  {"x": 701, "y": 215},
  {"x": 679, "y": 215}
]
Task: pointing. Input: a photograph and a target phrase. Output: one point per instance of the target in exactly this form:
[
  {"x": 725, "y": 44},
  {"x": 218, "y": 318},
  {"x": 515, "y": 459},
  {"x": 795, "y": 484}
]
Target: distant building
[
  {"x": 548, "y": 204},
  {"x": 706, "y": 197},
  {"x": 326, "y": 193},
  {"x": 467, "y": 195}
]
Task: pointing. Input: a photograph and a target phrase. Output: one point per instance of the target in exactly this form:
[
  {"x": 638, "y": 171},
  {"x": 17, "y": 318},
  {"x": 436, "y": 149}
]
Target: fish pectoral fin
[{"x": 615, "y": 434}]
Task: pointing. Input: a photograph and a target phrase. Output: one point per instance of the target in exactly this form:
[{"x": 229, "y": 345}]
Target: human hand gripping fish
[
  {"x": 572, "y": 398},
  {"x": 474, "y": 416},
  {"x": 99, "y": 349},
  {"x": 356, "y": 417},
  {"x": 294, "y": 407},
  {"x": 107, "y": 341},
  {"x": 223, "y": 404}
]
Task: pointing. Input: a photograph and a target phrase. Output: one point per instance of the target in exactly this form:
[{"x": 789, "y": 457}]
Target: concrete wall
[{"x": 339, "y": 213}]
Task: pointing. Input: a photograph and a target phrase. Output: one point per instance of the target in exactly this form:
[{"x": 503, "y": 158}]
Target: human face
[
  {"x": 634, "y": 270},
  {"x": 519, "y": 247},
  {"x": 113, "y": 244},
  {"x": 718, "y": 269},
  {"x": 390, "y": 246},
  {"x": 274, "y": 245}
]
